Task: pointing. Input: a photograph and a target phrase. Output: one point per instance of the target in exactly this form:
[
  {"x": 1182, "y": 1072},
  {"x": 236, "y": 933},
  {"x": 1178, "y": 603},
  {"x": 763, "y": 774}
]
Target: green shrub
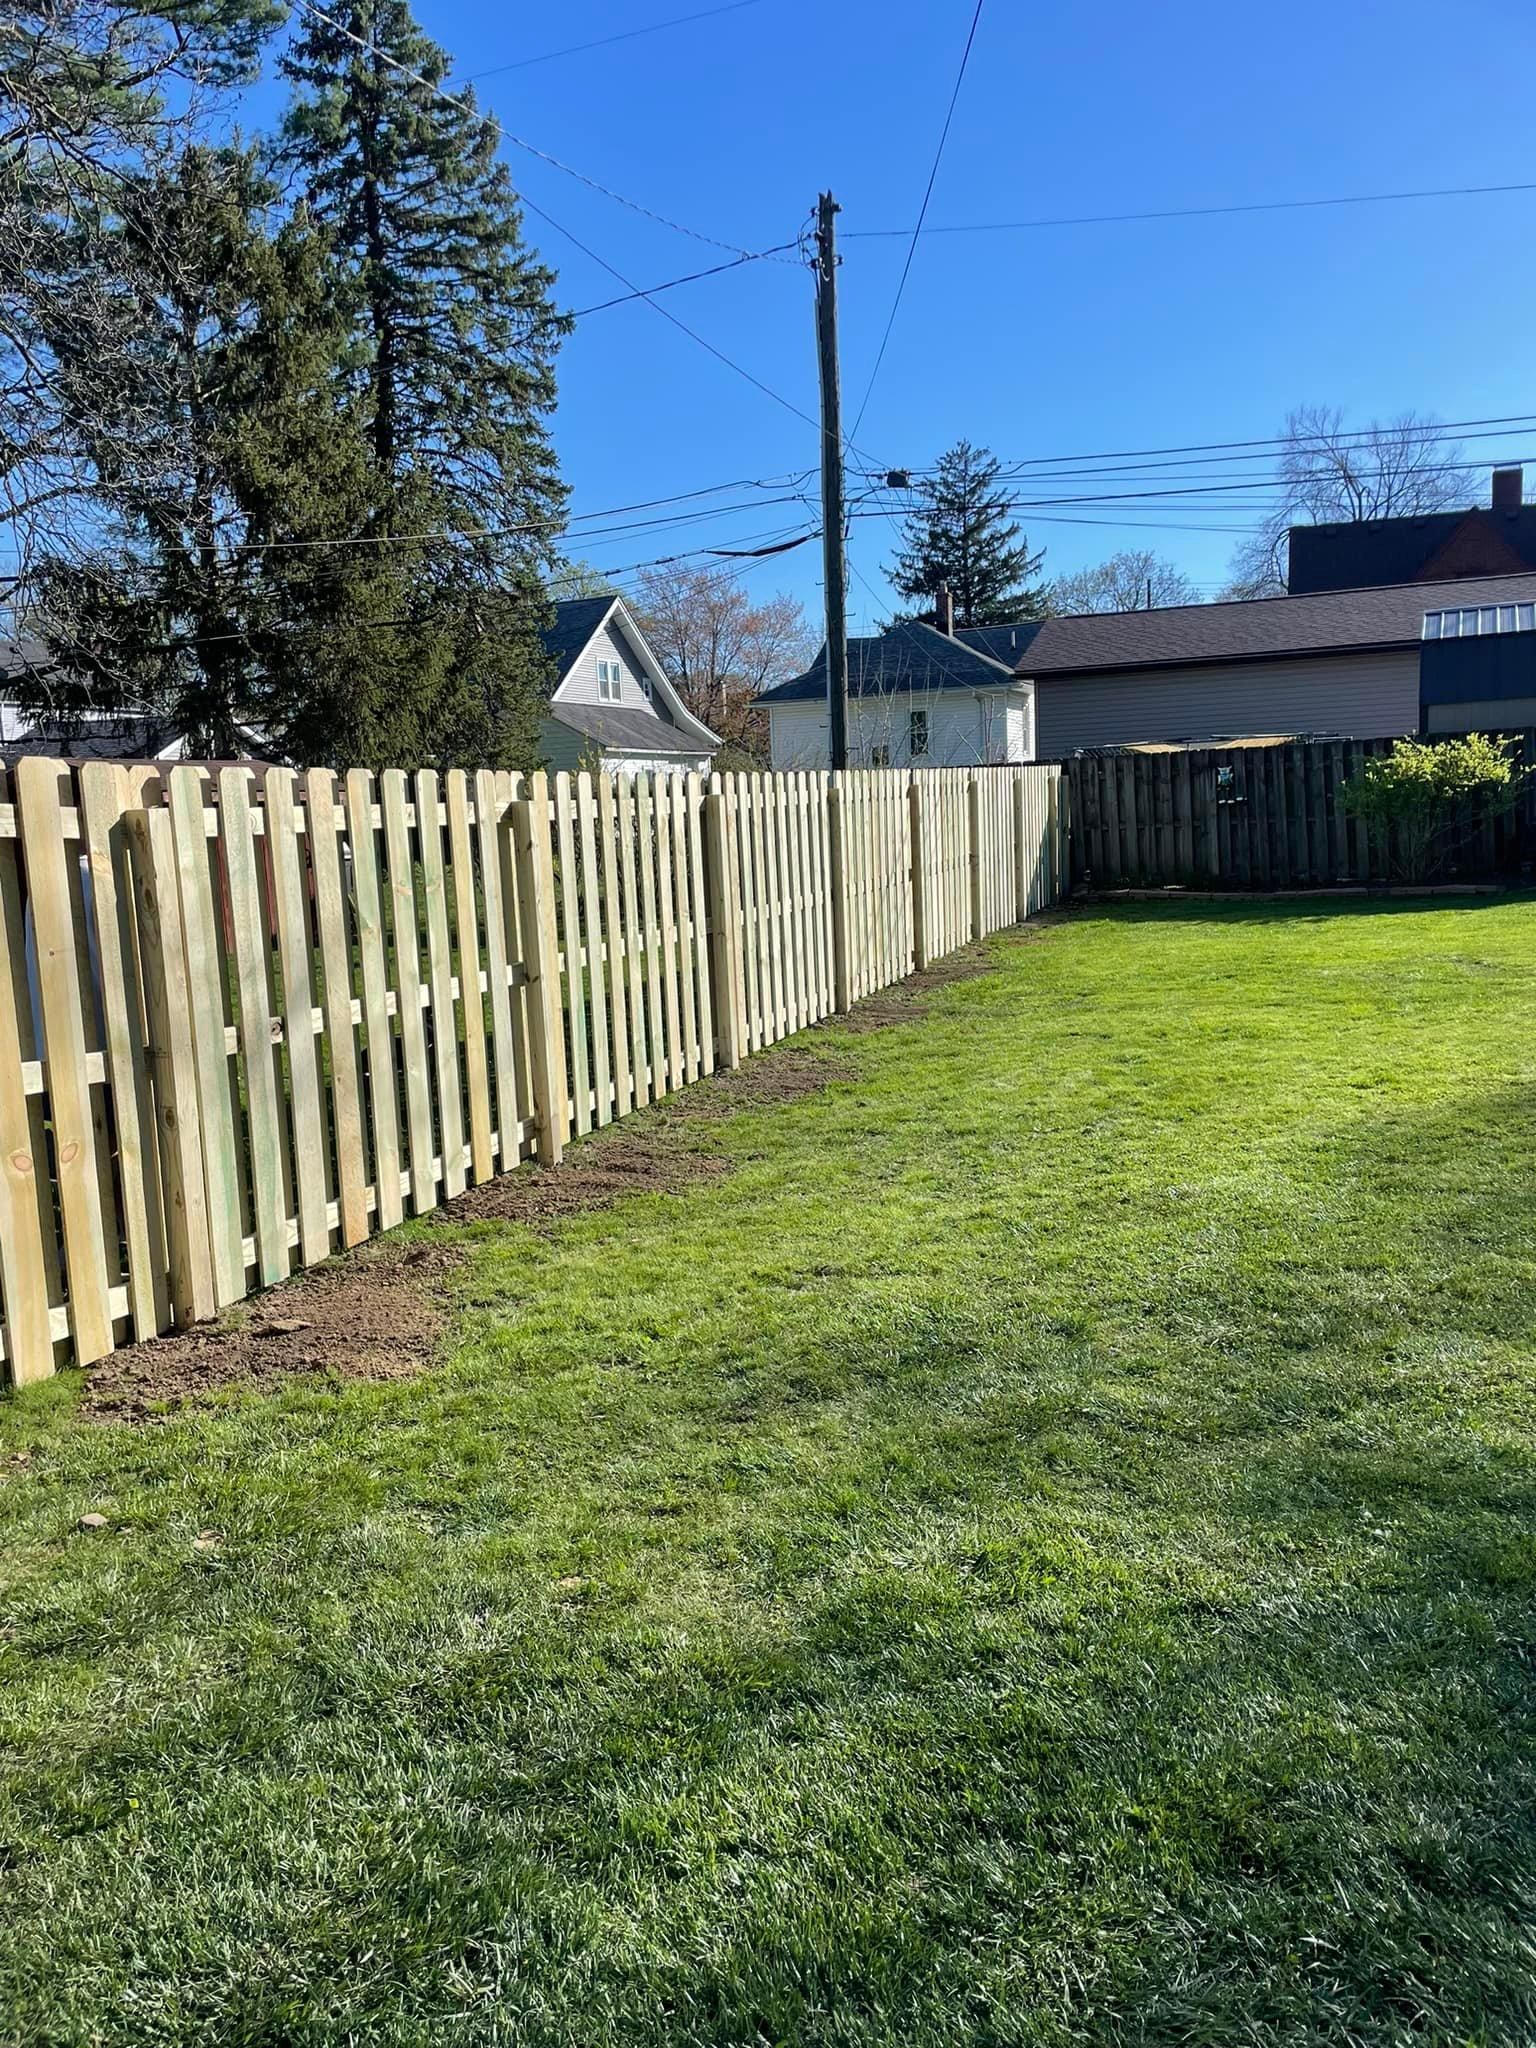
[{"x": 1416, "y": 800}]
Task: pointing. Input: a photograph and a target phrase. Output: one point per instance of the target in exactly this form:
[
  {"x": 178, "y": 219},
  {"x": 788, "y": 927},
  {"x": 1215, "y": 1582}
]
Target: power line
[
  {"x": 922, "y": 214},
  {"x": 518, "y": 141},
  {"x": 1439, "y": 429},
  {"x": 591, "y": 254},
  {"x": 672, "y": 283},
  {"x": 627, "y": 35},
  {"x": 1088, "y": 220}
]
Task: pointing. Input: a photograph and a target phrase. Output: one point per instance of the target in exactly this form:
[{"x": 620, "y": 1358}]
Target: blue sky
[{"x": 1059, "y": 341}]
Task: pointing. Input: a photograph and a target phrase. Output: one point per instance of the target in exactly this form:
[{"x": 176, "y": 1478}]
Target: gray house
[
  {"x": 611, "y": 706},
  {"x": 1343, "y": 662}
]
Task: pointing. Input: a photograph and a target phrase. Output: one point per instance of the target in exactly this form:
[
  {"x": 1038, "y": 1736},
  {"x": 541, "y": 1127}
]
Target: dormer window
[{"x": 610, "y": 681}]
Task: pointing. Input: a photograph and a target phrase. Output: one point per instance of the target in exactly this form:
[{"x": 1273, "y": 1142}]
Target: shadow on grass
[
  {"x": 1148, "y": 1670},
  {"x": 1313, "y": 907},
  {"x": 1118, "y": 1688}
]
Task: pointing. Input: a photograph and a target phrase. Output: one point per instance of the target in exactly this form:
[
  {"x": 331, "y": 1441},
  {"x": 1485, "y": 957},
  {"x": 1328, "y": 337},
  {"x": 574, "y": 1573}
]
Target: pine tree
[
  {"x": 215, "y": 595},
  {"x": 95, "y": 95},
  {"x": 962, "y": 535},
  {"x": 454, "y": 343}
]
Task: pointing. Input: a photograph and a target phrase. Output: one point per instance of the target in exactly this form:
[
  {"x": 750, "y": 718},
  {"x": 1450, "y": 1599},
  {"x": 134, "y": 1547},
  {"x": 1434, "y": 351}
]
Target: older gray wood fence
[{"x": 1259, "y": 818}]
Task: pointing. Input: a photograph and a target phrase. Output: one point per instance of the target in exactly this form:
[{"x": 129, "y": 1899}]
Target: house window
[
  {"x": 610, "y": 680},
  {"x": 879, "y": 757},
  {"x": 918, "y": 734}
]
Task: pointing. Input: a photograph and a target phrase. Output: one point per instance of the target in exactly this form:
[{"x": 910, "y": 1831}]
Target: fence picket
[
  {"x": 245, "y": 1017},
  {"x": 344, "y": 1067}
]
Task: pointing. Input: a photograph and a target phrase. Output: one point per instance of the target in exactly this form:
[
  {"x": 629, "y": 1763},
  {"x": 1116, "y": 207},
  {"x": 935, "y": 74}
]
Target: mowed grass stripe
[{"x": 1040, "y": 1552}]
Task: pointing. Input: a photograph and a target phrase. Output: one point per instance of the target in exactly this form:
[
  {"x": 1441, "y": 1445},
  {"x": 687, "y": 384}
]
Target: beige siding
[{"x": 1362, "y": 696}]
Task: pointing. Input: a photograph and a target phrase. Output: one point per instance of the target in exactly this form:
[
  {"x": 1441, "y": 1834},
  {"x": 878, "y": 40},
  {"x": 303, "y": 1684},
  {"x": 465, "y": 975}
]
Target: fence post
[
  {"x": 168, "y": 1014},
  {"x": 27, "y": 1224},
  {"x": 922, "y": 949},
  {"x": 724, "y": 923},
  {"x": 835, "y": 840},
  {"x": 541, "y": 962},
  {"x": 973, "y": 815}
]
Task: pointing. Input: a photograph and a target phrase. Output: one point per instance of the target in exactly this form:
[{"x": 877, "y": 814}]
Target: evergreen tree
[
  {"x": 95, "y": 95},
  {"x": 214, "y": 595},
  {"x": 453, "y": 350},
  {"x": 961, "y": 535}
]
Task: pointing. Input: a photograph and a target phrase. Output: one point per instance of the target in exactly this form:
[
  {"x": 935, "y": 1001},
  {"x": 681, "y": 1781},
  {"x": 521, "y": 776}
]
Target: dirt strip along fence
[
  {"x": 249, "y": 1017},
  {"x": 1263, "y": 818}
]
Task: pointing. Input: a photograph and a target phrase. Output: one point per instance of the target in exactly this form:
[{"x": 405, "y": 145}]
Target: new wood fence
[
  {"x": 1260, "y": 818},
  {"x": 247, "y": 1018}
]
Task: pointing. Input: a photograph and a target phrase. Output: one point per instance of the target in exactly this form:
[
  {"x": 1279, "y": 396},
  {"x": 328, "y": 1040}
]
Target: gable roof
[
  {"x": 1474, "y": 541},
  {"x": 577, "y": 621},
  {"x": 1257, "y": 629},
  {"x": 910, "y": 658}
]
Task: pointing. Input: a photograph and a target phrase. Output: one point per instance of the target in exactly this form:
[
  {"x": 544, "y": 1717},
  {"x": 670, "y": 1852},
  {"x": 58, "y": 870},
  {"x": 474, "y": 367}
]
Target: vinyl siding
[
  {"x": 964, "y": 730},
  {"x": 1363, "y": 696},
  {"x": 610, "y": 643}
]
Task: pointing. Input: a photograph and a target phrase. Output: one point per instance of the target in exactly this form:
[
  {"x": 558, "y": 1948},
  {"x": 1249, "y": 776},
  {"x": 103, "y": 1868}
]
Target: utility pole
[{"x": 834, "y": 567}]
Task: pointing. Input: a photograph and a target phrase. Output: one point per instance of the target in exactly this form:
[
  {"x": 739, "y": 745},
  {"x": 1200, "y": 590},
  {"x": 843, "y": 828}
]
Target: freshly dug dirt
[
  {"x": 908, "y": 1000},
  {"x": 374, "y": 1315},
  {"x": 649, "y": 1155}
]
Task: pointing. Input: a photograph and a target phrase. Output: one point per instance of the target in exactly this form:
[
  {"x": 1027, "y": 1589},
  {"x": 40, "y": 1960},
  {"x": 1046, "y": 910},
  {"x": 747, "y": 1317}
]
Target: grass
[{"x": 1043, "y": 1552}]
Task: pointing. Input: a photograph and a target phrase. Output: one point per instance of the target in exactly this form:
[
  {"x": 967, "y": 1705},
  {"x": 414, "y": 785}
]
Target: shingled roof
[
  {"x": 576, "y": 620},
  {"x": 1260, "y": 629},
  {"x": 908, "y": 657}
]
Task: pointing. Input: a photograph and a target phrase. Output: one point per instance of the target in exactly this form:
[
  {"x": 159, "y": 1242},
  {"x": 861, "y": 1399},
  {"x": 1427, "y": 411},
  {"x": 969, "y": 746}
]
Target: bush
[{"x": 1417, "y": 799}]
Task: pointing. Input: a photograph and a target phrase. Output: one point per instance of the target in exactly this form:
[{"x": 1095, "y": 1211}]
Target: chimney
[
  {"x": 1508, "y": 490},
  {"x": 944, "y": 608}
]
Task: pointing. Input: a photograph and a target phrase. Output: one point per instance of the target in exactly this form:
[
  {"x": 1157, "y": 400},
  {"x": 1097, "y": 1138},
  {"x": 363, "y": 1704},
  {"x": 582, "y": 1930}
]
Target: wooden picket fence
[{"x": 248, "y": 1017}]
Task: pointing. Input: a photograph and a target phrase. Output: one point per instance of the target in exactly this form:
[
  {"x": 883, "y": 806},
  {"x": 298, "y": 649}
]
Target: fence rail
[
  {"x": 1265, "y": 817},
  {"x": 250, "y": 1017}
]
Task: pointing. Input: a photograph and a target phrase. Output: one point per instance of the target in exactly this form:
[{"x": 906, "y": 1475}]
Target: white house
[
  {"x": 916, "y": 698},
  {"x": 611, "y": 705}
]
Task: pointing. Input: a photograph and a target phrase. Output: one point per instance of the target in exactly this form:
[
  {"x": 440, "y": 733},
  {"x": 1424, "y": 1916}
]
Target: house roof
[
  {"x": 22, "y": 656},
  {"x": 1268, "y": 628},
  {"x": 131, "y": 737},
  {"x": 1002, "y": 643},
  {"x": 627, "y": 732},
  {"x": 1350, "y": 554},
  {"x": 576, "y": 620},
  {"x": 908, "y": 658}
]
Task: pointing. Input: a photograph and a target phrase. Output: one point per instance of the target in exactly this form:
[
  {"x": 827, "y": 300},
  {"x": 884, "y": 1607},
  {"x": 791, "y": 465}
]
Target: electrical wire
[
  {"x": 627, "y": 35},
  {"x": 517, "y": 141},
  {"x": 636, "y": 291},
  {"x": 922, "y": 214},
  {"x": 1088, "y": 220},
  {"x": 1439, "y": 429},
  {"x": 650, "y": 291}
]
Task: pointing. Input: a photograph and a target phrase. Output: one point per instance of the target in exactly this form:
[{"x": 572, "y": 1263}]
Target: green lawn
[{"x": 1043, "y": 1551}]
